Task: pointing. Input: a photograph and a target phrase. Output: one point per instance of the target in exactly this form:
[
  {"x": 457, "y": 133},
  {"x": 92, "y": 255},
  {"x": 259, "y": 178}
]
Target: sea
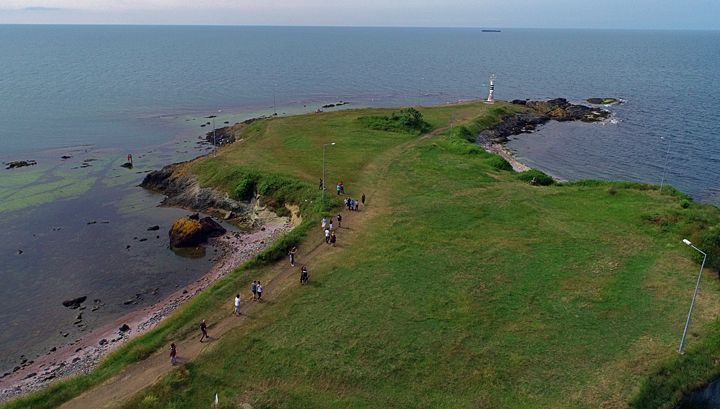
[{"x": 79, "y": 99}]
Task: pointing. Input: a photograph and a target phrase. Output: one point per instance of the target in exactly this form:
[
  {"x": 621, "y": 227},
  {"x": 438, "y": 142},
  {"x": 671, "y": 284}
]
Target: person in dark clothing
[
  {"x": 363, "y": 199},
  {"x": 173, "y": 354},
  {"x": 333, "y": 239},
  {"x": 339, "y": 221},
  {"x": 304, "y": 275},
  {"x": 203, "y": 329},
  {"x": 292, "y": 253}
]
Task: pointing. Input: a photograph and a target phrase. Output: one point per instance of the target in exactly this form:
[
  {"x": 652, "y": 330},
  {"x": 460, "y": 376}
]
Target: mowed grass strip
[{"x": 465, "y": 288}]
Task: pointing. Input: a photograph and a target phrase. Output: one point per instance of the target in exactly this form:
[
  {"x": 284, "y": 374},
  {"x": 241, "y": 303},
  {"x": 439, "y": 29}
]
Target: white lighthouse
[{"x": 491, "y": 93}]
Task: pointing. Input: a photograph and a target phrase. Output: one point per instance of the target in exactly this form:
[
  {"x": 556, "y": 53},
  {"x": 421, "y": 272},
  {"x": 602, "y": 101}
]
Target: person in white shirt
[
  {"x": 259, "y": 291},
  {"x": 327, "y": 236},
  {"x": 237, "y": 305}
]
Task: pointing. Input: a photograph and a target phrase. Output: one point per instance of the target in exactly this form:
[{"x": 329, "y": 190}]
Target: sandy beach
[{"x": 86, "y": 353}]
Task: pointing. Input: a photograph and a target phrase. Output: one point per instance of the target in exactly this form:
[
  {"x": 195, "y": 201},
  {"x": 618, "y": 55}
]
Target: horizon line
[{"x": 354, "y": 26}]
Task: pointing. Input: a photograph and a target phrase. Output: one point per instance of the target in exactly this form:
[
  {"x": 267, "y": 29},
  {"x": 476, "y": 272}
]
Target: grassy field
[{"x": 461, "y": 286}]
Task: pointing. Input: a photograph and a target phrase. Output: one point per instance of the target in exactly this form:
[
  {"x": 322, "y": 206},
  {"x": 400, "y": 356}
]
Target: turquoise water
[{"x": 100, "y": 92}]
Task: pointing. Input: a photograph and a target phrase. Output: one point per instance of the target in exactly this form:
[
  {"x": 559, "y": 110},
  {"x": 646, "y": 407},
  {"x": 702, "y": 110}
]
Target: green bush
[
  {"x": 245, "y": 189},
  {"x": 709, "y": 242},
  {"x": 406, "y": 120},
  {"x": 499, "y": 163},
  {"x": 536, "y": 177},
  {"x": 685, "y": 204}
]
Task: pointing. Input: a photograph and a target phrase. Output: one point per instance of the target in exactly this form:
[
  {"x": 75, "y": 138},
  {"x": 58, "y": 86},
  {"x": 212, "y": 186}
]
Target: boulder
[
  {"x": 153, "y": 228},
  {"x": 124, "y": 328},
  {"x": 187, "y": 232},
  {"x": 20, "y": 164},
  {"x": 127, "y": 165},
  {"x": 75, "y": 302}
]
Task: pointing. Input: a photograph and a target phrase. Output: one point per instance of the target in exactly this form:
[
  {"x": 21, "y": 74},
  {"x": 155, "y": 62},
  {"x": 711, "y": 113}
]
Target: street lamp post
[
  {"x": 323, "y": 177},
  {"x": 692, "y": 303},
  {"x": 213, "y": 124},
  {"x": 667, "y": 157}
]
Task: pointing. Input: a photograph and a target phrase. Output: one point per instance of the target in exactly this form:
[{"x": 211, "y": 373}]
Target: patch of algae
[{"x": 41, "y": 193}]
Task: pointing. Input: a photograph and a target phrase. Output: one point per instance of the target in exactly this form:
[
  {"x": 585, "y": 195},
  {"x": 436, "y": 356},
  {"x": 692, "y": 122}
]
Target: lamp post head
[{"x": 686, "y": 241}]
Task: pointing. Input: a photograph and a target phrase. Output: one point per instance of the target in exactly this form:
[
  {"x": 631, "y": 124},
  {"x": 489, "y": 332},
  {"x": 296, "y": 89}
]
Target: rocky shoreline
[
  {"x": 538, "y": 113},
  {"x": 181, "y": 190}
]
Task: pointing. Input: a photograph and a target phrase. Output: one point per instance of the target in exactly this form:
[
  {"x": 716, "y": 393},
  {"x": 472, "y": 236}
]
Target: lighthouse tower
[{"x": 491, "y": 93}]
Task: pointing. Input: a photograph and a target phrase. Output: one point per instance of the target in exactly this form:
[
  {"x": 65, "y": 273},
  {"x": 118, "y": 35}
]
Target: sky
[{"x": 615, "y": 14}]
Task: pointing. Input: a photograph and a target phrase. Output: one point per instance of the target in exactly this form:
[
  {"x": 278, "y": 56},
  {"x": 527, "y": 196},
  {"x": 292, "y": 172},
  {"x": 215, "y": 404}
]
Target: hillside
[{"x": 458, "y": 284}]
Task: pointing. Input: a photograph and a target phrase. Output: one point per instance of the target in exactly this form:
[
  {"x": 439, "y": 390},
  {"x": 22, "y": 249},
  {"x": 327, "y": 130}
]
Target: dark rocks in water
[
  {"x": 187, "y": 232},
  {"x": 20, "y": 164},
  {"x": 103, "y": 342},
  {"x": 540, "y": 112},
  {"x": 19, "y": 252},
  {"x": 92, "y": 222},
  {"x": 153, "y": 228},
  {"x": 603, "y": 101},
  {"x": 129, "y": 301},
  {"x": 127, "y": 165},
  {"x": 202, "y": 126},
  {"x": 328, "y": 106},
  {"x": 127, "y": 247},
  {"x": 75, "y": 302},
  {"x": 143, "y": 239},
  {"x": 124, "y": 328},
  {"x": 65, "y": 157},
  {"x": 226, "y": 122},
  {"x": 519, "y": 101},
  {"x": 560, "y": 109}
]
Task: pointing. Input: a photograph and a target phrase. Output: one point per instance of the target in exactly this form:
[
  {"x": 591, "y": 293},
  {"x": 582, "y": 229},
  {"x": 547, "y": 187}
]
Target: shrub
[
  {"x": 499, "y": 163},
  {"x": 612, "y": 190},
  {"x": 685, "y": 204},
  {"x": 709, "y": 242},
  {"x": 536, "y": 177},
  {"x": 406, "y": 120},
  {"x": 245, "y": 188}
]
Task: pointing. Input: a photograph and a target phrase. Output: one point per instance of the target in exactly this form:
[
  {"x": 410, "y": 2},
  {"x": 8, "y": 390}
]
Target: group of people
[
  {"x": 329, "y": 229},
  {"x": 256, "y": 287}
]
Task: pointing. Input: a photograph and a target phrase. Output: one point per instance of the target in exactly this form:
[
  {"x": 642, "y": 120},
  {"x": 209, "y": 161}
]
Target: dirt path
[{"x": 134, "y": 378}]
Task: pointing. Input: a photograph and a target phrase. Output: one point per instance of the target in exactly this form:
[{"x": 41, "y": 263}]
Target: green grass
[{"x": 468, "y": 287}]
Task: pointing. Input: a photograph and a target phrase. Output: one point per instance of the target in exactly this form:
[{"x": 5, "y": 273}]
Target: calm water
[{"x": 99, "y": 92}]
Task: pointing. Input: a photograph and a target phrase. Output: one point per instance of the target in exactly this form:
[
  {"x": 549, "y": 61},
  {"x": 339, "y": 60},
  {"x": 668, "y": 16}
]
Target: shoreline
[{"x": 83, "y": 356}]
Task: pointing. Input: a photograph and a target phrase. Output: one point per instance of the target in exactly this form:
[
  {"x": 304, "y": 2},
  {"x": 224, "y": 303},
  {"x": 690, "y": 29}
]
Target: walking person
[
  {"x": 338, "y": 187},
  {"x": 357, "y": 206},
  {"x": 259, "y": 291},
  {"x": 342, "y": 188},
  {"x": 330, "y": 225},
  {"x": 327, "y": 236},
  {"x": 237, "y": 305},
  {"x": 324, "y": 222},
  {"x": 304, "y": 275},
  {"x": 363, "y": 199},
  {"x": 173, "y": 354},
  {"x": 292, "y": 253},
  {"x": 203, "y": 329},
  {"x": 253, "y": 288},
  {"x": 333, "y": 239},
  {"x": 339, "y": 220}
]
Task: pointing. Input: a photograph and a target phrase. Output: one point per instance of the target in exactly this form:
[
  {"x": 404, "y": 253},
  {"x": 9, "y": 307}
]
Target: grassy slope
[{"x": 466, "y": 289}]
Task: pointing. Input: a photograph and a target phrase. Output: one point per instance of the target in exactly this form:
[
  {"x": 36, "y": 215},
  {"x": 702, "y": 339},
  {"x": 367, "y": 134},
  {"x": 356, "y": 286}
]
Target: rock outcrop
[
  {"x": 540, "y": 112},
  {"x": 20, "y": 164},
  {"x": 187, "y": 232},
  {"x": 183, "y": 190}
]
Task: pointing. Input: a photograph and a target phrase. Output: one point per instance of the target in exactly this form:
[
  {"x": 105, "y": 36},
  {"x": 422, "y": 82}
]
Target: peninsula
[{"x": 459, "y": 282}]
